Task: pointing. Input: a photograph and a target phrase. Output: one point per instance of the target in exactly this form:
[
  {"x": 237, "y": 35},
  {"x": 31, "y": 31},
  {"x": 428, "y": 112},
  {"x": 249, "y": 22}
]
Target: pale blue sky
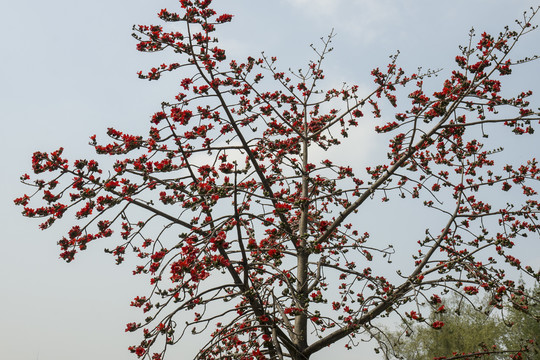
[{"x": 68, "y": 71}]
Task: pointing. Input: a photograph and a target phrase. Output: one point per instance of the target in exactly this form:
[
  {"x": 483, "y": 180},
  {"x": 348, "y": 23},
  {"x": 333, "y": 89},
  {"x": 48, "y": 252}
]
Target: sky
[{"x": 68, "y": 71}]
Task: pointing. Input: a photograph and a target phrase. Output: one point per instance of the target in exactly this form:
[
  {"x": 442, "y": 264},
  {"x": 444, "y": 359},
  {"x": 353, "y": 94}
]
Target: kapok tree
[{"x": 246, "y": 232}]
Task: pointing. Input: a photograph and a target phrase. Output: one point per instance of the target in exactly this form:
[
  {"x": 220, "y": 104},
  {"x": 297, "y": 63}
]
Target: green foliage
[
  {"x": 468, "y": 330},
  {"x": 525, "y": 326}
]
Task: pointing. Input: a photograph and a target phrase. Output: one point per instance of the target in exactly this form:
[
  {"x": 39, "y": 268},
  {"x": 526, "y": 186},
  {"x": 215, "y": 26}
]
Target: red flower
[
  {"x": 131, "y": 327},
  {"x": 414, "y": 315},
  {"x": 437, "y": 325},
  {"x": 470, "y": 290},
  {"x": 441, "y": 309},
  {"x": 140, "y": 351},
  {"x": 224, "y": 18}
]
